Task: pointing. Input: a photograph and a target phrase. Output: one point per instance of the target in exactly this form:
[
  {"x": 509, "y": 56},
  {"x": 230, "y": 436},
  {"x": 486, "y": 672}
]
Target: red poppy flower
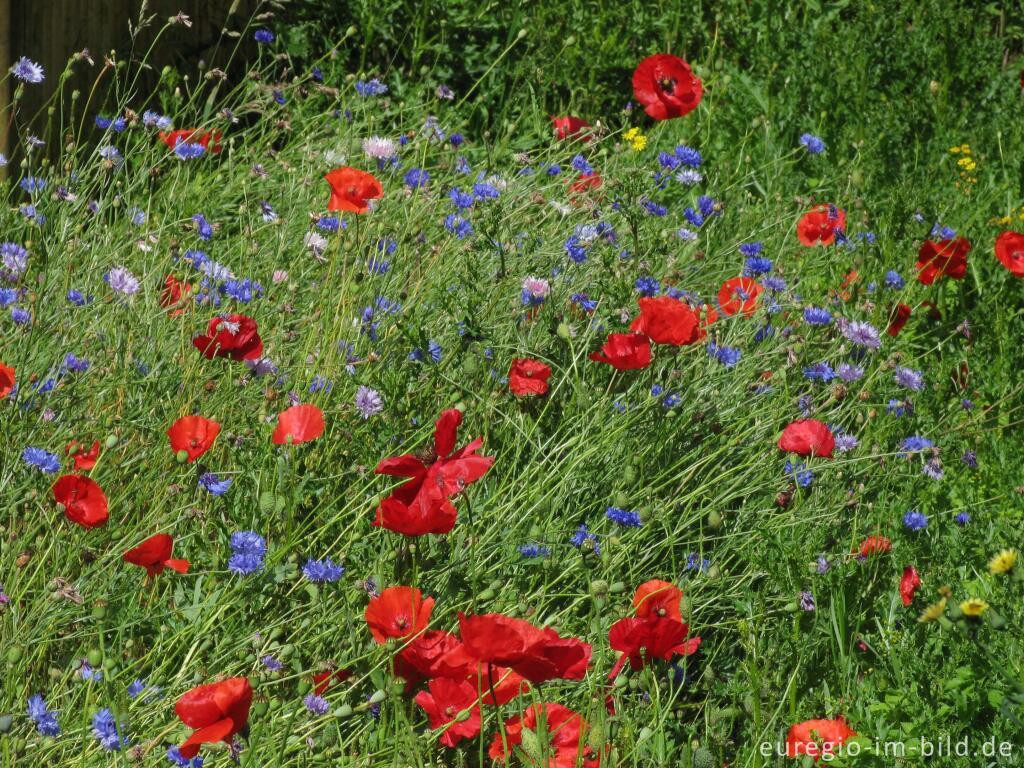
[
  {"x": 298, "y": 424},
  {"x": 643, "y": 640},
  {"x": 909, "y": 583},
  {"x": 194, "y": 435},
  {"x": 566, "y": 735},
  {"x": 398, "y": 612},
  {"x": 817, "y": 737},
  {"x": 7, "y": 380},
  {"x": 216, "y": 711},
  {"x": 1010, "y": 252},
  {"x": 946, "y": 258},
  {"x": 659, "y": 599},
  {"x": 433, "y": 653},
  {"x": 233, "y": 336},
  {"x": 738, "y": 294},
  {"x": 322, "y": 680},
  {"x": 84, "y": 460},
  {"x": 154, "y": 554},
  {"x": 625, "y": 351},
  {"x": 820, "y": 224},
  {"x": 665, "y": 320},
  {"x": 666, "y": 87},
  {"x": 898, "y": 317},
  {"x": 528, "y": 377},
  {"x": 536, "y": 654},
  {"x": 586, "y": 182},
  {"x": 192, "y": 136},
  {"x": 422, "y": 505},
  {"x": 83, "y": 500},
  {"x": 443, "y": 701},
  {"x": 807, "y": 437},
  {"x": 570, "y": 127},
  {"x": 874, "y": 545},
  {"x": 351, "y": 189},
  {"x": 174, "y": 296}
]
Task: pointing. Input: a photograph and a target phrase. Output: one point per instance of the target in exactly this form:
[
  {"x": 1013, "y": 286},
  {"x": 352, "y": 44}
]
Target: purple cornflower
[
  {"x": 861, "y": 333},
  {"x": 817, "y": 316},
  {"x": 122, "y": 281},
  {"x": 213, "y": 484},
  {"x": 105, "y": 729},
  {"x": 316, "y": 704},
  {"x": 807, "y": 601},
  {"x": 909, "y": 378},
  {"x": 368, "y": 402},
  {"x": 813, "y": 144},
  {"x": 27, "y": 71},
  {"x": 44, "y": 718}
]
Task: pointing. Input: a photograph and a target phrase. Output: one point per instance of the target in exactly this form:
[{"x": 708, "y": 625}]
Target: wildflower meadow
[{"x": 346, "y": 422}]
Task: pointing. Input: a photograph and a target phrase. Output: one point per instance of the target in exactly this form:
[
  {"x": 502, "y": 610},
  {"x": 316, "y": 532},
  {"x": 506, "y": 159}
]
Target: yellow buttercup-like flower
[
  {"x": 1003, "y": 562},
  {"x": 933, "y": 611},
  {"x": 634, "y": 137},
  {"x": 973, "y": 607}
]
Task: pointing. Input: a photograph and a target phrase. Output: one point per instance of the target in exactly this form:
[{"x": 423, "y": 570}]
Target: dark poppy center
[
  {"x": 450, "y": 711},
  {"x": 667, "y": 84},
  {"x": 402, "y": 622},
  {"x": 662, "y": 612}
]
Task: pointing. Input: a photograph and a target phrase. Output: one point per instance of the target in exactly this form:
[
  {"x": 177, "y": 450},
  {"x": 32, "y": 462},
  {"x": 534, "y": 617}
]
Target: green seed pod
[
  {"x": 267, "y": 503},
  {"x": 463, "y": 716},
  {"x": 110, "y": 441},
  {"x": 702, "y": 758},
  {"x": 14, "y": 654},
  {"x": 95, "y": 657},
  {"x": 378, "y": 697},
  {"x": 598, "y": 587},
  {"x": 259, "y": 709},
  {"x": 304, "y": 687},
  {"x": 617, "y": 587},
  {"x": 343, "y": 711},
  {"x": 487, "y": 594},
  {"x": 563, "y": 331},
  {"x": 715, "y": 519},
  {"x": 6, "y": 721},
  {"x": 181, "y": 456}
]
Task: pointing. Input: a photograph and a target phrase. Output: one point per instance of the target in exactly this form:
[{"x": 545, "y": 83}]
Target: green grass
[{"x": 705, "y": 475}]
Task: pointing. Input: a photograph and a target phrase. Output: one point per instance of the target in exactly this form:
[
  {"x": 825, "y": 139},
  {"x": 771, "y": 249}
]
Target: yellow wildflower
[
  {"x": 973, "y": 607},
  {"x": 1003, "y": 562},
  {"x": 634, "y": 137},
  {"x": 933, "y": 611}
]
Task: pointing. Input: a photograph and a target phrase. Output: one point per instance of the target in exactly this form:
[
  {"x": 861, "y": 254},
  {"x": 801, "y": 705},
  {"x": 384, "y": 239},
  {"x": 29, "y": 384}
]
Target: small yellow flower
[
  {"x": 634, "y": 137},
  {"x": 973, "y": 607},
  {"x": 933, "y": 611},
  {"x": 1003, "y": 562}
]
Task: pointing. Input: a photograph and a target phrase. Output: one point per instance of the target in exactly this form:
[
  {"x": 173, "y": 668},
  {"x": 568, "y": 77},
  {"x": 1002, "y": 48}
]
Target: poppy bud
[
  {"x": 343, "y": 711},
  {"x": 14, "y": 654},
  {"x": 522, "y": 33},
  {"x": 570, "y": 40},
  {"x": 6, "y": 721},
  {"x": 621, "y": 681},
  {"x": 378, "y": 697},
  {"x": 487, "y": 594},
  {"x": 563, "y": 331},
  {"x": 95, "y": 657},
  {"x": 260, "y": 708},
  {"x": 463, "y": 716},
  {"x": 181, "y": 456},
  {"x": 715, "y": 519},
  {"x": 351, "y": 31}
]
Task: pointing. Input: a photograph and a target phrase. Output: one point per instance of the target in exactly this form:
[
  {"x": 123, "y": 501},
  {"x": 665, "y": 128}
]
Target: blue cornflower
[
  {"x": 135, "y": 688},
  {"x": 105, "y": 729},
  {"x": 322, "y": 571},
  {"x": 695, "y": 562},
  {"x": 44, "y": 718},
  {"x": 316, "y": 704},
  {"x": 962, "y": 518},
  {"x": 817, "y": 316},
  {"x": 915, "y": 521},
  {"x": 583, "y": 538},
  {"x": 799, "y": 473},
  {"x": 688, "y": 156},
  {"x": 583, "y": 301},
  {"x": 580, "y": 165},
  {"x": 624, "y": 517},
  {"x": 175, "y": 756},
  {"x": 915, "y": 444},
  {"x": 461, "y": 200},
  {"x": 185, "y": 150},
  {"x": 264, "y": 36},
  {"x": 242, "y": 290},
  {"x": 822, "y": 564},
  {"x": 814, "y": 145},
  {"x": 78, "y": 298},
  {"x": 41, "y": 460},
  {"x": 372, "y": 87},
  {"x": 846, "y": 443},
  {"x": 32, "y": 184},
  {"x": 271, "y": 664},
  {"x": 970, "y": 459},
  {"x": 75, "y": 364},
  {"x": 528, "y": 551},
  {"x": 648, "y": 286},
  {"x": 757, "y": 265},
  {"x": 774, "y": 284},
  {"x": 727, "y": 356},
  {"x": 894, "y": 280},
  {"x": 898, "y": 408},
  {"x": 416, "y": 178},
  {"x": 751, "y": 249},
  {"x": 213, "y": 484},
  {"x": 27, "y": 71},
  {"x": 820, "y": 372},
  {"x": 203, "y": 227},
  {"x": 8, "y": 296},
  {"x": 249, "y": 549},
  {"x": 459, "y": 226},
  {"x": 329, "y": 223},
  {"x": 654, "y": 209},
  {"x": 909, "y": 378}
]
